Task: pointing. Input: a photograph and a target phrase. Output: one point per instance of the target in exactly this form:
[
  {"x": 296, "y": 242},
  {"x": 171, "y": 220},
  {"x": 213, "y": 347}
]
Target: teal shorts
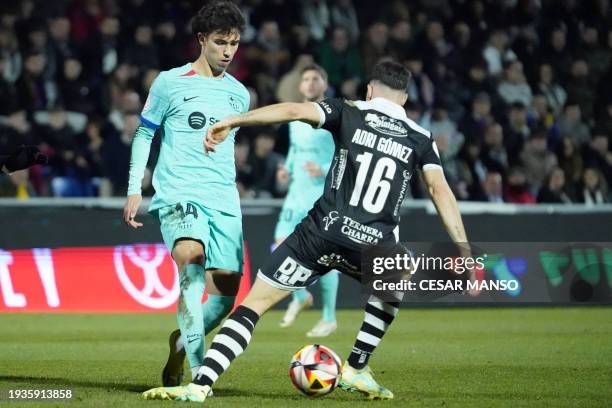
[
  {"x": 220, "y": 233},
  {"x": 288, "y": 219}
]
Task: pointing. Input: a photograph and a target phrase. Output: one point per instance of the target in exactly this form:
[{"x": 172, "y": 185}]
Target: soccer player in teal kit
[
  {"x": 196, "y": 198},
  {"x": 311, "y": 152}
]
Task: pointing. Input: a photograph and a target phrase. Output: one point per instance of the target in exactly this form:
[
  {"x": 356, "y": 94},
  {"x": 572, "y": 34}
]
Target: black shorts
[{"x": 305, "y": 256}]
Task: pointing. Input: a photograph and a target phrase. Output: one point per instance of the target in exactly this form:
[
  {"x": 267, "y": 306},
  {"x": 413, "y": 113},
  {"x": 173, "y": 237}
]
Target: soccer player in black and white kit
[{"x": 377, "y": 150}]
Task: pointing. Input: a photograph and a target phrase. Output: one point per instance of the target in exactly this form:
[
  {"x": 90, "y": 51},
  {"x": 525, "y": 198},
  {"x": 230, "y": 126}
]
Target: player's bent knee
[{"x": 188, "y": 252}]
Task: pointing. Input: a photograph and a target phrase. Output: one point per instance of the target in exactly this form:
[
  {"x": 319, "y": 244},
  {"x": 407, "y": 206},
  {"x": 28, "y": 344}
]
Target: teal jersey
[
  {"x": 307, "y": 144},
  {"x": 184, "y": 104}
]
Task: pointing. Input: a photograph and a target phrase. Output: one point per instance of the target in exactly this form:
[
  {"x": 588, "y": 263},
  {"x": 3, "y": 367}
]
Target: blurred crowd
[{"x": 516, "y": 93}]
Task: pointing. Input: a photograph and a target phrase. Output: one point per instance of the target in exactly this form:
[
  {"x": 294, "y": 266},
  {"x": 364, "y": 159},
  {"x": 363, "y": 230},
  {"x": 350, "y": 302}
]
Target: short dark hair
[
  {"x": 218, "y": 15},
  {"x": 392, "y": 74},
  {"x": 315, "y": 67}
]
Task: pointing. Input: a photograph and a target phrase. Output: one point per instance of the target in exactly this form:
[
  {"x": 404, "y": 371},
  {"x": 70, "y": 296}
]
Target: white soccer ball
[{"x": 315, "y": 370}]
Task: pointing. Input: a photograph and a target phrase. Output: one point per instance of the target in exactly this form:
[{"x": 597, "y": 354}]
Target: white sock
[{"x": 194, "y": 372}]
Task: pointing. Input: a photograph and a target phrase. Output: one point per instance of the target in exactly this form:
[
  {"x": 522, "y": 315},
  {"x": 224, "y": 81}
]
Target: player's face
[
  {"x": 219, "y": 49},
  {"x": 312, "y": 86}
]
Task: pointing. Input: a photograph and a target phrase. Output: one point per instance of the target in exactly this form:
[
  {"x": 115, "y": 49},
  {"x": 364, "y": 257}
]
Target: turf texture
[{"x": 518, "y": 357}]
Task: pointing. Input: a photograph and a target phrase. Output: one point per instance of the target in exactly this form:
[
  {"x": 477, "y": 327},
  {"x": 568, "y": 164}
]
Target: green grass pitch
[{"x": 544, "y": 357}]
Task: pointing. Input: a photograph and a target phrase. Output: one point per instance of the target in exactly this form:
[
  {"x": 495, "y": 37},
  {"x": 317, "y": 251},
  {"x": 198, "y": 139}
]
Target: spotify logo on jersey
[{"x": 197, "y": 120}]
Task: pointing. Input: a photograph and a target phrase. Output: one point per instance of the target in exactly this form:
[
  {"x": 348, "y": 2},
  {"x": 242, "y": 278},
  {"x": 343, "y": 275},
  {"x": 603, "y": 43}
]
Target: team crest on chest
[{"x": 234, "y": 103}]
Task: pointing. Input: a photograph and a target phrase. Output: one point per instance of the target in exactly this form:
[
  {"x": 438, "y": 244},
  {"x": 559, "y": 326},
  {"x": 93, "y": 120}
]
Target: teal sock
[
  {"x": 189, "y": 313},
  {"x": 300, "y": 295},
  {"x": 329, "y": 290},
  {"x": 215, "y": 309}
]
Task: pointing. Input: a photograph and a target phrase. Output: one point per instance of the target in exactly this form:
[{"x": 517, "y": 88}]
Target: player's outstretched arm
[
  {"x": 446, "y": 205},
  {"x": 141, "y": 148},
  {"x": 268, "y": 115}
]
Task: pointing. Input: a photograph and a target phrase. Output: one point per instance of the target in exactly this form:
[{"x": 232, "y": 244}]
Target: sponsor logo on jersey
[
  {"x": 329, "y": 219},
  {"x": 326, "y": 107},
  {"x": 357, "y": 232},
  {"x": 407, "y": 175},
  {"x": 196, "y": 120},
  {"x": 336, "y": 261},
  {"x": 291, "y": 272},
  {"x": 234, "y": 103},
  {"x": 386, "y": 125}
]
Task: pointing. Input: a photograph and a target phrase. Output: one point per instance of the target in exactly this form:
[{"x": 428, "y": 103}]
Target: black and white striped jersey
[{"x": 378, "y": 149}]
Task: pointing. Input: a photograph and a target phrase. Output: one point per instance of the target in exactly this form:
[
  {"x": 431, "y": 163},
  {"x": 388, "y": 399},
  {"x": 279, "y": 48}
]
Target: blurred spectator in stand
[
  {"x": 477, "y": 81},
  {"x": 432, "y": 45},
  {"x": 517, "y": 131},
  {"x": 100, "y": 55},
  {"x": 375, "y": 45},
  {"x": 594, "y": 188},
  {"x": 15, "y": 129},
  {"x": 141, "y": 52},
  {"x": 420, "y": 88},
  {"x": 518, "y": 190},
  {"x": 497, "y": 52},
  {"x": 449, "y": 142},
  {"x": 61, "y": 44},
  {"x": 263, "y": 163},
  {"x": 36, "y": 92},
  {"x": 492, "y": 188},
  {"x": 473, "y": 170},
  {"x": 75, "y": 92},
  {"x": 597, "y": 154},
  {"x": 449, "y": 91},
  {"x": 169, "y": 51},
  {"x": 70, "y": 171},
  {"x": 94, "y": 141},
  {"x": 493, "y": 154},
  {"x": 85, "y": 18},
  {"x": 243, "y": 169},
  {"x": 540, "y": 115},
  {"x": 315, "y": 16},
  {"x": 580, "y": 89},
  {"x": 269, "y": 56},
  {"x": 10, "y": 55},
  {"x": 514, "y": 86},
  {"x": 394, "y": 10},
  {"x": 299, "y": 41},
  {"x": 536, "y": 159},
  {"x": 596, "y": 57},
  {"x": 343, "y": 14},
  {"x": 605, "y": 119},
  {"x": 571, "y": 163},
  {"x": 557, "y": 53},
  {"x": 8, "y": 90},
  {"x": 341, "y": 60},
  {"x": 553, "y": 190},
  {"x": 462, "y": 49},
  {"x": 38, "y": 42},
  {"x": 571, "y": 125},
  {"x": 123, "y": 79},
  {"x": 553, "y": 92},
  {"x": 115, "y": 152},
  {"x": 400, "y": 40},
  {"x": 128, "y": 102}
]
